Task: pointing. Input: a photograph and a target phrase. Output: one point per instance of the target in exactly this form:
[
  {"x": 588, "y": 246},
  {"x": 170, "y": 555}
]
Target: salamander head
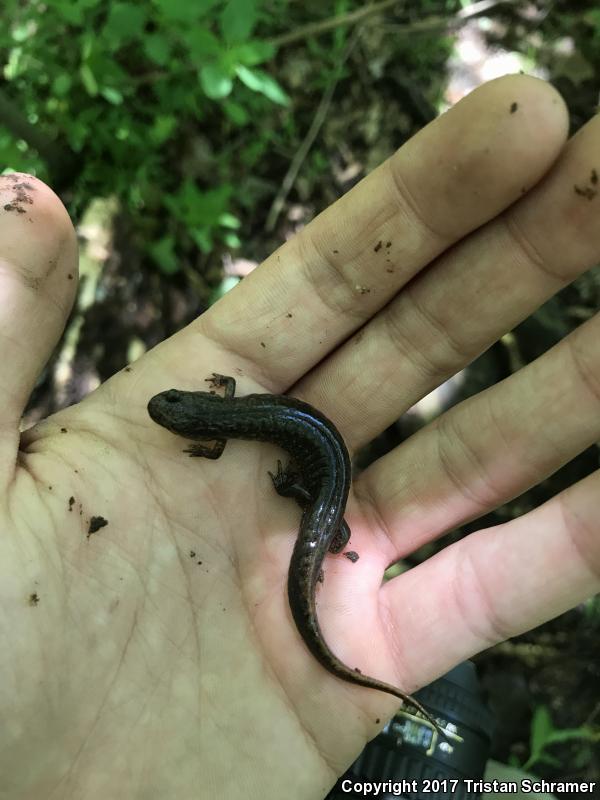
[{"x": 181, "y": 412}]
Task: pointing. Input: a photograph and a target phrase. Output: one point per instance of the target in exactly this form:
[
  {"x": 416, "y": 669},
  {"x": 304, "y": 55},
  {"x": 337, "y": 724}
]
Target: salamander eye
[{"x": 172, "y": 396}]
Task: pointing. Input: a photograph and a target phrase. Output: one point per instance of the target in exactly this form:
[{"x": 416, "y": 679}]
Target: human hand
[{"x": 139, "y": 670}]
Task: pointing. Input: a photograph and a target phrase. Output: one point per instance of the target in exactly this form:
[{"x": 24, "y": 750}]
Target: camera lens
[{"x": 410, "y": 759}]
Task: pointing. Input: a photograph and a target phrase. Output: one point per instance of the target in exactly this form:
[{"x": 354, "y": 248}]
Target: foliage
[
  {"x": 164, "y": 104},
  {"x": 562, "y": 39},
  {"x": 122, "y": 92},
  {"x": 544, "y": 734}
]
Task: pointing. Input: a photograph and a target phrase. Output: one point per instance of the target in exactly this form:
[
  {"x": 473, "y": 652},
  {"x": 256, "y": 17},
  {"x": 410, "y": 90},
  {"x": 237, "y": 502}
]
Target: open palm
[{"x": 148, "y": 650}]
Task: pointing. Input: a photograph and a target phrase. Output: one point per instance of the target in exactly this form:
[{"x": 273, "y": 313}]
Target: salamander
[{"x": 318, "y": 478}]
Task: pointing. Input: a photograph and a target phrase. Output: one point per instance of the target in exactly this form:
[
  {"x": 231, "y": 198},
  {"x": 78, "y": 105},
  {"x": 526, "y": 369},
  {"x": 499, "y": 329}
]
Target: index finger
[{"x": 348, "y": 263}]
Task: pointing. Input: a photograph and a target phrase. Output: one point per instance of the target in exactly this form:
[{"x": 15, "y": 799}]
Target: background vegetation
[{"x": 188, "y": 139}]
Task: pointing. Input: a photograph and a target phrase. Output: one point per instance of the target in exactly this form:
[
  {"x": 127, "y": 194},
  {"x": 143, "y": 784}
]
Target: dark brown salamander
[{"x": 318, "y": 479}]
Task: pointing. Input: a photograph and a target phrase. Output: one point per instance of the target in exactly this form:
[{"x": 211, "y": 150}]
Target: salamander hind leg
[
  {"x": 287, "y": 483},
  {"x": 340, "y": 539}
]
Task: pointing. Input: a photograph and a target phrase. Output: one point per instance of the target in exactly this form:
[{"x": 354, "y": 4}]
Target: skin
[{"x": 140, "y": 673}]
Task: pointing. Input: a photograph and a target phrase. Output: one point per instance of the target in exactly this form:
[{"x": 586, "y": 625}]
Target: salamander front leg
[
  {"x": 215, "y": 449},
  {"x": 201, "y": 450},
  {"x": 222, "y": 381}
]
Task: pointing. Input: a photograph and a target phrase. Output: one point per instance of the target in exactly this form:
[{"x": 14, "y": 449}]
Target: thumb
[{"x": 38, "y": 282}]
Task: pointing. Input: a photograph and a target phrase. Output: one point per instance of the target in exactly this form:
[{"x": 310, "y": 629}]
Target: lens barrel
[{"x": 410, "y": 759}]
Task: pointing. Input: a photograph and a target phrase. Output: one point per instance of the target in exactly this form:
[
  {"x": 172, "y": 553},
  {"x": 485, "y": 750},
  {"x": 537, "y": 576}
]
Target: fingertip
[
  {"x": 31, "y": 214},
  {"x": 38, "y": 282},
  {"x": 539, "y": 109}
]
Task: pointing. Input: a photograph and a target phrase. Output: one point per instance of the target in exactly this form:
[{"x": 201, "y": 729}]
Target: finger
[
  {"x": 340, "y": 270},
  {"x": 498, "y": 582},
  {"x": 38, "y": 281},
  {"x": 468, "y": 298},
  {"x": 491, "y": 447}
]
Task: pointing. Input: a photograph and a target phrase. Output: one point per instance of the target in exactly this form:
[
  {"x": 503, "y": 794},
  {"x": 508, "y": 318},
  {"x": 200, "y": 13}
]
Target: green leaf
[
  {"x": 78, "y": 133},
  {"x": 22, "y": 32},
  {"x": 237, "y": 20},
  {"x": 228, "y": 220},
  {"x": 162, "y": 128},
  {"x": 71, "y": 12},
  {"x": 215, "y": 81},
  {"x": 566, "y": 734},
  {"x": 125, "y": 22},
  {"x": 163, "y": 253},
  {"x": 236, "y": 112},
  {"x": 11, "y": 155},
  {"x": 252, "y": 53},
  {"x": 87, "y": 46},
  {"x": 203, "y": 239},
  {"x": 61, "y": 84},
  {"x": 199, "y": 208},
  {"x": 202, "y": 44},
  {"x": 262, "y": 82},
  {"x": 88, "y": 80},
  {"x": 12, "y": 66},
  {"x": 157, "y": 48},
  {"x": 232, "y": 240},
  {"x": 541, "y": 728},
  {"x": 183, "y": 10},
  {"x": 113, "y": 96},
  {"x": 543, "y": 734}
]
